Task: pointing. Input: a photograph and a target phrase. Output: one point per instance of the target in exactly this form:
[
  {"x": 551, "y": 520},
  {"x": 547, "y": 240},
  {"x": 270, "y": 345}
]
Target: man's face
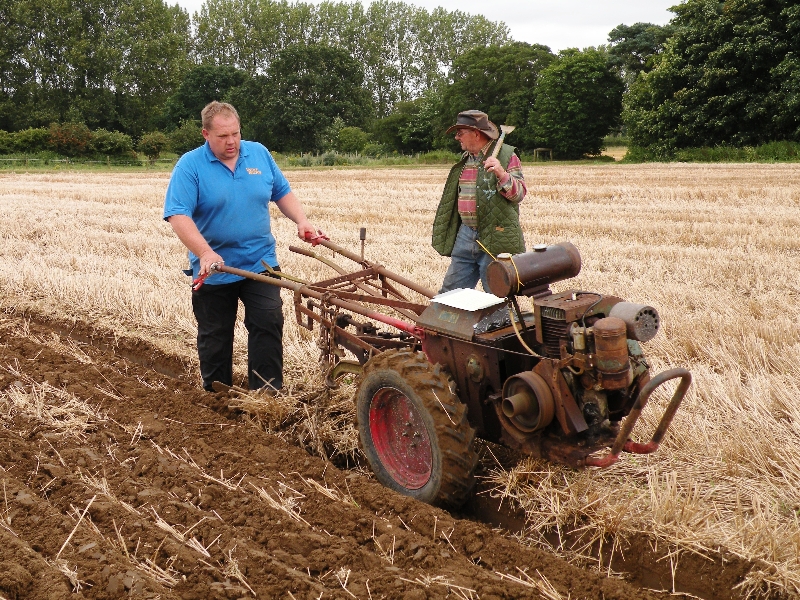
[
  {"x": 471, "y": 140},
  {"x": 224, "y": 136}
]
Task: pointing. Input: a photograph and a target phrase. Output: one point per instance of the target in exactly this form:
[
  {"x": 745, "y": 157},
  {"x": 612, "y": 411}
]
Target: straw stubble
[{"x": 712, "y": 247}]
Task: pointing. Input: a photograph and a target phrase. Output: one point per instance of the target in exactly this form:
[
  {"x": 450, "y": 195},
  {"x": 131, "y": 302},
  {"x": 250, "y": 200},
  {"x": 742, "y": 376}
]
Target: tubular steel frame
[{"x": 372, "y": 284}]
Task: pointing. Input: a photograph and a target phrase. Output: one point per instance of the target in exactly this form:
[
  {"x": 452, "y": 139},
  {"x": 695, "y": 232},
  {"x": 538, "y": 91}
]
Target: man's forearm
[
  {"x": 187, "y": 232},
  {"x": 512, "y": 187},
  {"x": 510, "y": 182},
  {"x": 290, "y": 206}
]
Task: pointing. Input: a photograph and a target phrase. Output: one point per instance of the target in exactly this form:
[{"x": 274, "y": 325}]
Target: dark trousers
[{"x": 215, "y": 309}]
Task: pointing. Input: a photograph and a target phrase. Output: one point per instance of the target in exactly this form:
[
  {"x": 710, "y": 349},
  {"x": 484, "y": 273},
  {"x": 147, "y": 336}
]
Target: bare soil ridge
[{"x": 134, "y": 483}]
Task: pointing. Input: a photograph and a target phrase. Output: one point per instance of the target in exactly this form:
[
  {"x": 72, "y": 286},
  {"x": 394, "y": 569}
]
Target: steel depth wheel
[{"x": 413, "y": 429}]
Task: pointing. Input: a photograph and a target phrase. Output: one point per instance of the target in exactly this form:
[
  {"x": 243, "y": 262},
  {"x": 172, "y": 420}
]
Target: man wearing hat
[{"x": 478, "y": 215}]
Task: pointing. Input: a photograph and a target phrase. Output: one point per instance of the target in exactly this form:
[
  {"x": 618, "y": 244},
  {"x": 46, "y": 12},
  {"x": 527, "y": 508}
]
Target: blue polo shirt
[{"x": 230, "y": 208}]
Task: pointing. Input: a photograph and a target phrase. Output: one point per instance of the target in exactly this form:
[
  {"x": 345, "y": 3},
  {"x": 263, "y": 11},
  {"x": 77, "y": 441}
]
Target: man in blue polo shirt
[{"x": 217, "y": 203}]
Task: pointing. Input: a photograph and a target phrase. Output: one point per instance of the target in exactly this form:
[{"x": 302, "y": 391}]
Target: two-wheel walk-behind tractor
[{"x": 565, "y": 381}]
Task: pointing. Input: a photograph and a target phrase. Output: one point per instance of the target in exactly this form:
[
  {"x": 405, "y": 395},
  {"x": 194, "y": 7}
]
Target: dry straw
[{"x": 713, "y": 247}]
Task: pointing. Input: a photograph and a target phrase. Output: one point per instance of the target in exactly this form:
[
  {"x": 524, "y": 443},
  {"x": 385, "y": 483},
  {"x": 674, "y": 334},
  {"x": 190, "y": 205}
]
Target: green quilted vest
[{"x": 498, "y": 219}]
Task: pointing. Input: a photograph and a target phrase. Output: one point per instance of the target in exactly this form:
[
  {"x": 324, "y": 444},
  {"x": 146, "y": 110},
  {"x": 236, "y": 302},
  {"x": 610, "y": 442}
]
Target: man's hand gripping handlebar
[
  {"x": 198, "y": 283},
  {"x": 315, "y": 238}
]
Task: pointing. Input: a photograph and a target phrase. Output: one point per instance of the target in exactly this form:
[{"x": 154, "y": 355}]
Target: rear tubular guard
[{"x": 622, "y": 442}]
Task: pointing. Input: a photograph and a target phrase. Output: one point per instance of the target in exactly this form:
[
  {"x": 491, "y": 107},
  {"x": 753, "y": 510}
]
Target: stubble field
[{"x": 121, "y": 477}]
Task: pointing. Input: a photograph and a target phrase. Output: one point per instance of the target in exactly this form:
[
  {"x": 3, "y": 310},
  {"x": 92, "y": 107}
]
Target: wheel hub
[{"x": 400, "y": 438}]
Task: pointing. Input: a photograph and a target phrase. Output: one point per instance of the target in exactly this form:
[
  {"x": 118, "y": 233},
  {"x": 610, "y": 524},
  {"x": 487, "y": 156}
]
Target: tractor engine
[{"x": 592, "y": 364}]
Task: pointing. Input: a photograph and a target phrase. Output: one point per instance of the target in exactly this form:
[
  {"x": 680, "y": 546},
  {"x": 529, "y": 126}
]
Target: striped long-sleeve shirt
[{"x": 512, "y": 188}]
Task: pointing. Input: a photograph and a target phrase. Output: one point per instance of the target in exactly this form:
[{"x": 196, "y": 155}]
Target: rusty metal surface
[
  {"x": 384, "y": 343},
  {"x": 333, "y": 282},
  {"x": 507, "y": 331},
  {"x": 322, "y": 304},
  {"x": 339, "y": 369},
  {"x": 526, "y": 273},
  {"x": 380, "y": 300},
  {"x": 363, "y": 286},
  {"x": 567, "y": 412},
  {"x": 613, "y": 364},
  {"x": 378, "y": 268},
  {"x": 451, "y": 321},
  {"x": 463, "y": 360},
  {"x": 527, "y": 402},
  {"x": 568, "y": 306},
  {"x": 566, "y": 451},
  {"x": 480, "y": 350}
]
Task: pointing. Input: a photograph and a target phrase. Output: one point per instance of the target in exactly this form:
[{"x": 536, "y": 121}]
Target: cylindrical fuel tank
[
  {"x": 642, "y": 322},
  {"x": 611, "y": 352},
  {"x": 521, "y": 273}
]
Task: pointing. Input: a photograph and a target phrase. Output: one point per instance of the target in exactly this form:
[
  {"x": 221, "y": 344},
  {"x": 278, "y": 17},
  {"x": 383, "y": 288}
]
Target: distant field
[
  {"x": 616, "y": 152},
  {"x": 714, "y": 248}
]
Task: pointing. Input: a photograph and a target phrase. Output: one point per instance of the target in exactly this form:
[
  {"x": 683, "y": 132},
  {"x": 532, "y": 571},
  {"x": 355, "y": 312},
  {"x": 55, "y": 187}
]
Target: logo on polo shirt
[{"x": 253, "y": 171}]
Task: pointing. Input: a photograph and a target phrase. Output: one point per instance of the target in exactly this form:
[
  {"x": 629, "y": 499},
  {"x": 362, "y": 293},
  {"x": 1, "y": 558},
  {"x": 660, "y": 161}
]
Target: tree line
[
  {"x": 390, "y": 77},
  {"x": 729, "y": 75},
  {"x": 114, "y": 64},
  {"x": 384, "y": 77}
]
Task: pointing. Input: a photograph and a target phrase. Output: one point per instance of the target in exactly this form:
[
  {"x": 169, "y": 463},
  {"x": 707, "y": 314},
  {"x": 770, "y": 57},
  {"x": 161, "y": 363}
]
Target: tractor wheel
[{"x": 414, "y": 429}]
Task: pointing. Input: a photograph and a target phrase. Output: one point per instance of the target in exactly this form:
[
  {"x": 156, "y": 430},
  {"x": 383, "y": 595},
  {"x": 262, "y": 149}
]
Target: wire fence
[
  {"x": 29, "y": 161},
  {"x": 303, "y": 160},
  {"x": 327, "y": 159}
]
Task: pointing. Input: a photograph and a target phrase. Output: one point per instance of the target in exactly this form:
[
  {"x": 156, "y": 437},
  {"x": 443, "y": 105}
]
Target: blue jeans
[{"x": 468, "y": 262}]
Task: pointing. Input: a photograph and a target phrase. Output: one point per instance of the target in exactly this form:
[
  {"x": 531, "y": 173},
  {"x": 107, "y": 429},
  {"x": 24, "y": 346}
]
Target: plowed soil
[{"x": 120, "y": 481}]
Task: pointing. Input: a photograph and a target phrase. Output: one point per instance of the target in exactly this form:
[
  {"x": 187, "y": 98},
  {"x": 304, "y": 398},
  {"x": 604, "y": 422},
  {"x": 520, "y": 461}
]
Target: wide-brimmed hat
[{"x": 475, "y": 119}]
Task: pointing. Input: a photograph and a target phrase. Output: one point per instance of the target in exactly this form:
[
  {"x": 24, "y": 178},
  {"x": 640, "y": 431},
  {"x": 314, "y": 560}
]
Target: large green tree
[
  {"x": 412, "y": 126},
  {"x": 729, "y": 75},
  {"x": 15, "y": 72},
  {"x": 154, "y": 43},
  {"x": 577, "y": 102},
  {"x": 404, "y": 49},
  {"x": 499, "y": 80},
  {"x": 634, "y": 47},
  {"x": 304, "y": 90},
  {"x": 246, "y": 34},
  {"x": 201, "y": 85},
  {"x": 108, "y": 63}
]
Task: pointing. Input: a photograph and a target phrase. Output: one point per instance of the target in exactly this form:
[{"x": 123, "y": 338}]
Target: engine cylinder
[
  {"x": 611, "y": 351},
  {"x": 531, "y": 271}
]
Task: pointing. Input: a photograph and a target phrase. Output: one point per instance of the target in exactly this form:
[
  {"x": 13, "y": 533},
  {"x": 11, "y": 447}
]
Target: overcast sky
[{"x": 556, "y": 23}]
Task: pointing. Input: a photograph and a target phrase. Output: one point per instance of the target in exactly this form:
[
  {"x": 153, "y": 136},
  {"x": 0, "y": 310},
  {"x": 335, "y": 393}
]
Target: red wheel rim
[{"x": 400, "y": 438}]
